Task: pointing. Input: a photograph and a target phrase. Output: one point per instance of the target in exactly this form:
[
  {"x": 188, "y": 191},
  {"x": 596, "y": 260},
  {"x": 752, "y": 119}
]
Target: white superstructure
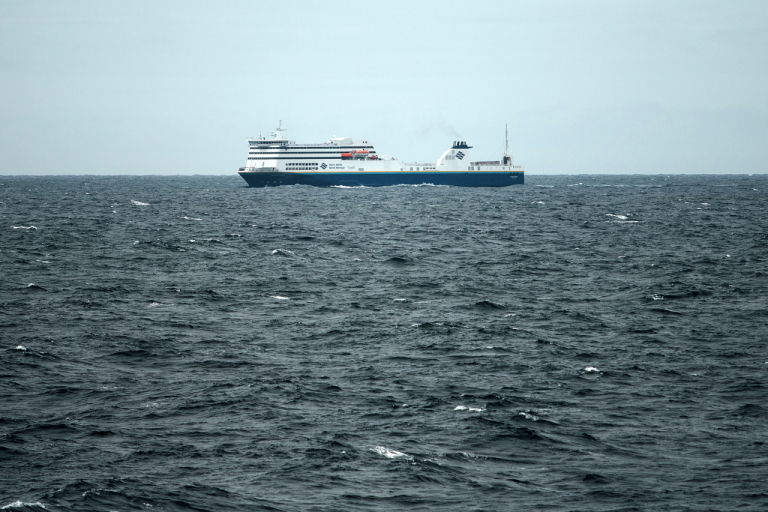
[{"x": 279, "y": 154}]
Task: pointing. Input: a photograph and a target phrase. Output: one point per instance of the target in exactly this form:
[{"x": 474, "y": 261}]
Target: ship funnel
[{"x": 456, "y": 158}]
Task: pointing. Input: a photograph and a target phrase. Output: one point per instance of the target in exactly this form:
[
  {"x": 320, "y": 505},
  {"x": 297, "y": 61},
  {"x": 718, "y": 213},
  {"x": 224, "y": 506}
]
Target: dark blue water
[{"x": 576, "y": 343}]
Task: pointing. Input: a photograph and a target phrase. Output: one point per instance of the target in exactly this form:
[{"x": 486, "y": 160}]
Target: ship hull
[{"x": 383, "y": 179}]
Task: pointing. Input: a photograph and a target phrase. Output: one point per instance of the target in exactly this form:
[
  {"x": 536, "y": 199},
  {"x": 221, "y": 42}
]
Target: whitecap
[
  {"x": 399, "y": 300},
  {"x": 591, "y": 369},
  {"x": 470, "y": 409},
  {"x": 154, "y": 304},
  {"x": 473, "y": 456},
  {"x": 283, "y": 252},
  {"x": 22, "y": 348},
  {"x": 529, "y": 416},
  {"x": 388, "y": 453},
  {"x": 620, "y": 217},
  {"x": 510, "y": 314},
  {"x": 24, "y": 227},
  {"x": 21, "y": 504},
  {"x": 190, "y": 218},
  {"x": 139, "y": 203},
  {"x": 278, "y": 297}
]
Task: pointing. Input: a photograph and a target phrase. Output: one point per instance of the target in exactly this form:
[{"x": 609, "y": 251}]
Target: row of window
[
  {"x": 301, "y": 163},
  {"x": 422, "y": 168},
  {"x": 326, "y": 147},
  {"x": 292, "y": 157},
  {"x": 300, "y": 153}
]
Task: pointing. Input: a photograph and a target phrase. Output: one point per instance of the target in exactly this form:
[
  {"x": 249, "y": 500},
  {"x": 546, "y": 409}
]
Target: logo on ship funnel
[{"x": 460, "y": 155}]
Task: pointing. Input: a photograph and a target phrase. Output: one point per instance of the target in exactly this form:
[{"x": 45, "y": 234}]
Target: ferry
[{"x": 343, "y": 162}]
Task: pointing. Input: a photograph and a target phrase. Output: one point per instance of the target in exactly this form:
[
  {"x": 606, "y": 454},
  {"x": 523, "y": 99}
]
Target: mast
[
  {"x": 507, "y": 157},
  {"x": 279, "y": 129}
]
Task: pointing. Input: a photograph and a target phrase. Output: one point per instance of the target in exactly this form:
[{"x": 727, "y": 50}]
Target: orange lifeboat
[{"x": 346, "y": 156}]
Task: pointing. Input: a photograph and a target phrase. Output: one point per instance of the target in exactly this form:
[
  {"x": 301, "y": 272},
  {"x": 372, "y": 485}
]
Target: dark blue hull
[{"x": 383, "y": 179}]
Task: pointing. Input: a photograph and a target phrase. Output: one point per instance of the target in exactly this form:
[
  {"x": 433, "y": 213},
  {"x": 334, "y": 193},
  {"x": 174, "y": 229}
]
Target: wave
[
  {"x": 398, "y": 261},
  {"x": 390, "y": 453},
  {"x": 487, "y": 304},
  {"x": 22, "y": 506}
]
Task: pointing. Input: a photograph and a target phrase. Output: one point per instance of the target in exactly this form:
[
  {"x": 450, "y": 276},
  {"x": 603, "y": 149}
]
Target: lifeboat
[
  {"x": 346, "y": 156},
  {"x": 360, "y": 153}
]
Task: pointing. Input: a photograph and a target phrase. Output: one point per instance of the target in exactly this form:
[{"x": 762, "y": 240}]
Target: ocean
[{"x": 575, "y": 343}]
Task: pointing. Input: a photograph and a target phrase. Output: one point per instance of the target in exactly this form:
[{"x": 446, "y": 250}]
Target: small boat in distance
[{"x": 344, "y": 162}]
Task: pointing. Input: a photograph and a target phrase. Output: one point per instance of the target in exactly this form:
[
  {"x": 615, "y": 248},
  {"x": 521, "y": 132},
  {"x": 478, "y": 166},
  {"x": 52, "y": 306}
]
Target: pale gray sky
[{"x": 146, "y": 87}]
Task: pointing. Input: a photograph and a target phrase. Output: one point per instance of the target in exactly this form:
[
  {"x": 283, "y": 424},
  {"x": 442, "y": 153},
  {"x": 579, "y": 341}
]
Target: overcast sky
[{"x": 97, "y": 87}]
